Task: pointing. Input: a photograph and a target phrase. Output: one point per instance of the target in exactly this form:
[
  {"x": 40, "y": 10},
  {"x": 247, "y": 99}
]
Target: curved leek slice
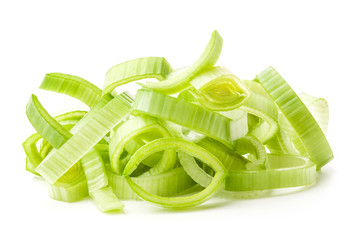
[
  {"x": 282, "y": 171},
  {"x": 130, "y": 129},
  {"x": 71, "y": 187},
  {"x": 106, "y": 200},
  {"x": 61, "y": 160},
  {"x": 187, "y": 115},
  {"x": 256, "y": 150},
  {"x": 73, "y": 86},
  {"x": 77, "y": 182},
  {"x": 318, "y": 108},
  {"x": 229, "y": 158},
  {"x": 266, "y": 110},
  {"x": 219, "y": 89},
  {"x": 182, "y": 132},
  {"x": 45, "y": 124},
  {"x": 187, "y": 147},
  {"x": 300, "y": 118},
  {"x": 281, "y": 143},
  {"x": 33, "y": 157},
  {"x": 136, "y": 69},
  {"x": 181, "y": 81},
  {"x": 165, "y": 184},
  {"x": 256, "y": 87}
]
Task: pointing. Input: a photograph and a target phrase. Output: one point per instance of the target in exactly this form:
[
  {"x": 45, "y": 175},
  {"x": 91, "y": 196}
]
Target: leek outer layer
[
  {"x": 188, "y": 115},
  {"x": 219, "y": 89},
  {"x": 181, "y": 81},
  {"x": 73, "y": 86},
  {"x": 136, "y": 69},
  {"x": 181, "y": 145},
  {"x": 57, "y": 163},
  {"x": 132, "y": 128},
  {"x": 300, "y": 118}
]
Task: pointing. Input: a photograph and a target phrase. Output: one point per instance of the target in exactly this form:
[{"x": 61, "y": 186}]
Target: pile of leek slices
[{"x": 195, "y": 133}]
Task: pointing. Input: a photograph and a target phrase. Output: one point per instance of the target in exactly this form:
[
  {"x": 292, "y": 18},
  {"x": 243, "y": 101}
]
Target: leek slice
[
  {"x": 45, "y": 124},
  {"x": 219, "y": 89},
  {"x": 266, "y": 110},
  {"x": 106, "y": 200},
  {"x": 184, "y": 133},
  {"x": 185, "y": 146},
  {"x": 71, "y": 187},
  {"x": 187, "y": 115},
  {"x": 282, "y": 171},
  {"x": 33, "y": 157},
  {"x": 229, "y": 158},
  {"x": 181, "y": 81},
  {"x": 61, "y": 160},
  {"x": 130, "y": 129},
  {"x": 73, "y": 86},
  {"x": 165, "y": 184},
  {"x": 319, "y": 109},
  {"x": 256, "y": 150},
  {"x": 136, "y": 69},
  {"x": 300, "y": 118}
]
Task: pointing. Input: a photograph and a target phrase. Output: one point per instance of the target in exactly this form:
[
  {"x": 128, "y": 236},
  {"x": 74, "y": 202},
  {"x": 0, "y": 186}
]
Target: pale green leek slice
[
  {"x": 319, "y": 109},
  {"x": 106, "y": 200},
  {"x": 187, "y": 115},
  {"x": 229, "y": 158},
  {"x": 133, "y": 128},
  {"x": 33, "y": 156},
  {"x": 219, "y": 89},
  {"x": 181, "y": 81},
  {"x": 61, "y": 160},
  {"x": 165, "y": 184},
  {"x": 73, "y": 86},
  {"x": 45, "y": 124},
  {"x": 281, "y": 143},
  {"x": 267, "y": 111},
  {"x": 185, "y": 146},
  {"x": 71, "y": 187},
  {"x": 256, "y": 150},
  {"x": 300, "y": 118},
  {"x": 136, "y": 69},
  {"x": 282, "y": 171},
  {"x": 177, "y": 130}
]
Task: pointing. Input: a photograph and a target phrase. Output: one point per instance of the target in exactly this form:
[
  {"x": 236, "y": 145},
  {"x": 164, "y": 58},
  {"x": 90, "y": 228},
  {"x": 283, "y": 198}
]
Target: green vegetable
[{"x": 198, "y": 132}]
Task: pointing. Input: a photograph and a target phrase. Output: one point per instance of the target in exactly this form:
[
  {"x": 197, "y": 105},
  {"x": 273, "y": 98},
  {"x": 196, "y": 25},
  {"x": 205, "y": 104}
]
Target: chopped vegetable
[{"x": 196, "y": 133}]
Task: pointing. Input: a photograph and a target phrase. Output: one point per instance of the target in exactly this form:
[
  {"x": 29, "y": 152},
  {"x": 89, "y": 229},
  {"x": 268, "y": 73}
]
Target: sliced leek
[
  {"x": 60, "y": 161},
  {"x": 181, "y": 81},
  {"x": 136, "y": 69},
  {"x": 310, "y": 134},
  {"x": 282, "y": 171},
  {"x": 219, "y": 89},
  {"x": 165, "y": 184},
  {"x": 73, "y": 86},
  {"x": 132, "y": 128},
  {"x": 187, "y": 114},
  {"x": 216, "y": 136},
  {"x": 177, "y": 144}
]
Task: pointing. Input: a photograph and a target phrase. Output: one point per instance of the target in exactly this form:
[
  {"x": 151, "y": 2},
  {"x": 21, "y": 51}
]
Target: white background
[{"x": 304, "y": 40}]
